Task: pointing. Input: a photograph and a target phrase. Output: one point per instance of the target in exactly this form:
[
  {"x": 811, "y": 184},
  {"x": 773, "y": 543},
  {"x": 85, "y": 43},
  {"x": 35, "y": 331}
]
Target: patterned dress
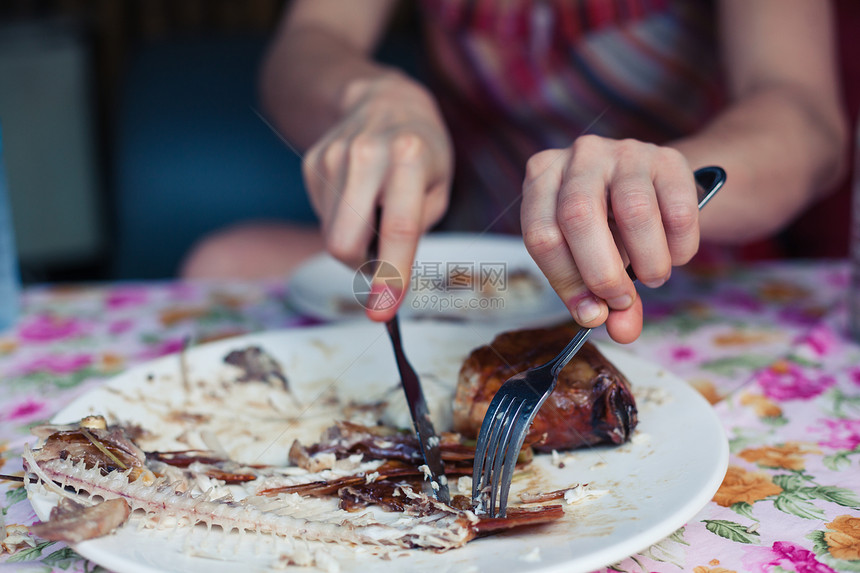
[{"x": 514, "y": 77}]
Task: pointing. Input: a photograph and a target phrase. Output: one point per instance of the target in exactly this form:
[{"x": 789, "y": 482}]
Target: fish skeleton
[
  {"x": 96, "y": 463},
  {"x": 162, "y": 500}
]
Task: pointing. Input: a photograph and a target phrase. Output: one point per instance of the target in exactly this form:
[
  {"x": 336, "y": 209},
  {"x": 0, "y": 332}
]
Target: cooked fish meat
[{"x": 592, "y": 403}]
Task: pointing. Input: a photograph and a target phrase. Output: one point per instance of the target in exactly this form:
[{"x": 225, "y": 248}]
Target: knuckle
[
  {"x": 606, "y": 283},
  {"x": 538, "y": 163},
  {"x": 543, "y": 239},
  {"x": 587, "y": 142},
  {"x": 633, "y": 147},
  {"x": 576, "y": 212},
  {"x": 333, "y": 156},
  {"x": 399, "y": 229},
  {"x": 672, "y": 157},
  {"x": 408, "y": 147},
  {"x": 681, "y": 218},
  {"x": 365, "y": 148},
  {"x": 633, "y": 207}
]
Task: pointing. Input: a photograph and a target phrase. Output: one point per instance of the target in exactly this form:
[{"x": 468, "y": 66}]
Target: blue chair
[{"x": 191, "y": 155}]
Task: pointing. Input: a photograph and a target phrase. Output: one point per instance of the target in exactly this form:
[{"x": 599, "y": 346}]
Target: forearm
[
  {"x": 782, "y": 139},
  {"x": 313, "y": 64},
  {"x": 781, "y": 153}
]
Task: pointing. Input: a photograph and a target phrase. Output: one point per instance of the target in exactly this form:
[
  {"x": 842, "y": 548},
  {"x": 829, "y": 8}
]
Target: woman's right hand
[{"x": 390, "y": 150}]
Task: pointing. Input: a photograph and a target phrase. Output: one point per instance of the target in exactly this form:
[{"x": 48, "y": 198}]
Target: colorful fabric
[
  {"x": 518, "y": 76},
  {"x": 765, "y": 344}
]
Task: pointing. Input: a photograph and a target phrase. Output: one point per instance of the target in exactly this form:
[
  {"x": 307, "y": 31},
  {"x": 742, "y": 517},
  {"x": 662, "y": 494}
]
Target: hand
[
  {"x": 589, "y": 208},
  {"x": 389, "y": 150}
]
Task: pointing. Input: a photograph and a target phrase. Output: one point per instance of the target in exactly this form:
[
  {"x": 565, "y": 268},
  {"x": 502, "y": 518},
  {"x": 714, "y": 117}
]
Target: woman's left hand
[{"x": 590, "y": 208}]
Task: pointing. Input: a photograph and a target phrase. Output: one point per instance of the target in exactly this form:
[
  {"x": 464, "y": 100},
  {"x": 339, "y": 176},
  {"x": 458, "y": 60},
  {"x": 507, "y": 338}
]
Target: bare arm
[
  {"x": 321, "y": 48},
  {"x": 374, "y": 137},
  {"x": 783, "y": 138}
]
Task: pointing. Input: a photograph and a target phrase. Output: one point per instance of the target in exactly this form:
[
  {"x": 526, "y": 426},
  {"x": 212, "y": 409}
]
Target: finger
[
  {"x": 676, "y": 197},
  {"x": 546, "y": 243},
  {"x": 435, "y": 204},
  {"x": 638, "y": 220},
  {"x": 401, "y": 224},
  {"x": 323, "y": 186},
  {"x": 583, "y": 217},
  {"x": 353, "y": 223},
  {"x": 625, "y": 326}
]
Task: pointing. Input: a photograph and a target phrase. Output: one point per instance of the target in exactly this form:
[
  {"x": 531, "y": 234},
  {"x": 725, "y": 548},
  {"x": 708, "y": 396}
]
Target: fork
[{"x": 516, "y": 403}]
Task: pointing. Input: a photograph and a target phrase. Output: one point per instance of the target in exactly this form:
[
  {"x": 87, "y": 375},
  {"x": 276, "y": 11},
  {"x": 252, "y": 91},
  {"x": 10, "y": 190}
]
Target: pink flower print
[
  {"x": 57, "y": 364},
  {"x": 49, "y": 327},
  {"x": 820, "y": 340},
  {"x": 783, "y": 556},
  {"x": 784, "y": 380},
  {"x": 837, "y": 278},
  {"x": 844, "y": 433},
  {"x": 739, "y": 299},
  {"x": 27, "y": 410},
  {"x": 182, "y": 291},
  {"x": 163, "y": 348},
  {"x": 127, "y": 296},
  {"x": 682, "y": 353},
  {"x": 120, "y": 326},
  {"x": 854, "y": 374},
  {"x": 800, "y": 316}
]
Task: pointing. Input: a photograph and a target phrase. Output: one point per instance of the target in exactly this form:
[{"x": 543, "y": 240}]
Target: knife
[
  {"x": 427, "y": 438},
  {"x": 420, "y": 416}
]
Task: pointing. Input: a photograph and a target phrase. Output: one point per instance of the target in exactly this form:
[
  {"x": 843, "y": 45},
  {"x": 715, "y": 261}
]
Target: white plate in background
[{"x": 515, "y": 293}]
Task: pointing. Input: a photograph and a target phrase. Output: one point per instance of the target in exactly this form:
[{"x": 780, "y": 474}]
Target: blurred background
[{"x": 129, "y": 127}]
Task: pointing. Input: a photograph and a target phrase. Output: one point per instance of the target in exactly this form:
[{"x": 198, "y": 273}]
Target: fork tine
[
  {"x": 498, "y": 402},
  {"x": 494, "y": 443},
  {"x": 503, "y": 450},
  {"x": 517, "y": 437}
]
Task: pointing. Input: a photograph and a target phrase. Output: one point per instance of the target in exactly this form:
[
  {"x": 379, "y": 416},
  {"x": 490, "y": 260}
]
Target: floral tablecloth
[{"x": 765, "y": 344}]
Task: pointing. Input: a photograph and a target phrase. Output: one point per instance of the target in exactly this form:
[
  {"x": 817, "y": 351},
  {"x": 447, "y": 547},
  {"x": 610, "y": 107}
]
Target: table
[{"x": 764, "y": 343}]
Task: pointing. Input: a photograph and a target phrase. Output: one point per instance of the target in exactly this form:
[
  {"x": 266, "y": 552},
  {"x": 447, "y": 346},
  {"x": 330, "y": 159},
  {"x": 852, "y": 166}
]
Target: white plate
[
  {"x": 655, "y": 483},
  {"x": 323, "y": 287}
]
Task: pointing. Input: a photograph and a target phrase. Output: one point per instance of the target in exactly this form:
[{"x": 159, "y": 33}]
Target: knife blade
[
  {"x": 427, "y": 437},
  {"x": 428, "y": 440}
]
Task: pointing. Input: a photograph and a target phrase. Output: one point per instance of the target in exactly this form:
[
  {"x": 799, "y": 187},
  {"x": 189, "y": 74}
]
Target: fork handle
[
  {"x": 709, "y": 180},
  {"x": 569, "y": 351}
]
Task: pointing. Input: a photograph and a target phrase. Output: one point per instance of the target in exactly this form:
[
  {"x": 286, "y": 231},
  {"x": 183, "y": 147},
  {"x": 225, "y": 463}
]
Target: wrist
[{"x": 386, "y": 84}]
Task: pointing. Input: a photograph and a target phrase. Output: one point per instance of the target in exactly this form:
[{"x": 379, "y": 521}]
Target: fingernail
[
  {"x": 620, "y": 302},
  {"x": 587, "y": 309}
]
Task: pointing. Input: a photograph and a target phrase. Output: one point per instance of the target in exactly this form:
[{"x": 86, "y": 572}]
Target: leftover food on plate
[
  {"x": 592, "y": 403},
  {"x": 361, "y": 486},
  {"x": 294, "y": 452}
]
